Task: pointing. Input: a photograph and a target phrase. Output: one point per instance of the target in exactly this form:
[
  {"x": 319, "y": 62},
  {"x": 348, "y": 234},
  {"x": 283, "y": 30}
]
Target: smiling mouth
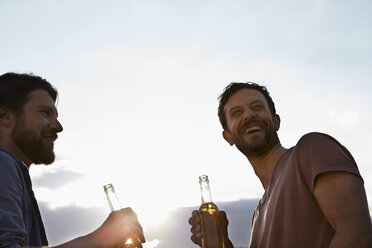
[
  {"x": 251, "y": 129},
  {"x": 51, "y": 137}
]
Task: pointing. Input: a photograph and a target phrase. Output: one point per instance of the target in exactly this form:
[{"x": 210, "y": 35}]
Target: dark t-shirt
[
  {"x": 20, "y": 220},
  {"x": 288, "y": 215}
]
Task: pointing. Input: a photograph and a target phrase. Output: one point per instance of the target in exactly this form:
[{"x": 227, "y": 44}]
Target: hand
[
  {"x": 196, "y": 229},
  {"x": 118, "y": 228}
]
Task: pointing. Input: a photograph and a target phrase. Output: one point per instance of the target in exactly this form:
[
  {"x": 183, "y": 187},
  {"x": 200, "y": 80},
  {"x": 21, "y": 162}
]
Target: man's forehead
[
  {"x": 41, "y": 97},
  {"x": 244, "y": 96}
]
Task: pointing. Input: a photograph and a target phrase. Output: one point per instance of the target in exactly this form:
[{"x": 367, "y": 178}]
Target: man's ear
[
  {"x": 226, "y": 135},
  {"x": 5, "y": 116},
  {"x": 276, "y": 119}
]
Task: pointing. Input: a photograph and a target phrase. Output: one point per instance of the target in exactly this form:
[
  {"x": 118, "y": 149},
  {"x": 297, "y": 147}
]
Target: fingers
[
  {"x": 128, "y": 211},
  {"x": 137, "y": 232},
  {"x": 133, "y": 228},
  {"x": 194, "y": 219},
  {"x": 136, "y": 239},
  {"x": 136, "y": 228},
  {"x": 196, "y": 229},
  {"x": 119, "y": 226},
  {"x": 197, "y": 239},
  {"x": 134, "y": 243}
]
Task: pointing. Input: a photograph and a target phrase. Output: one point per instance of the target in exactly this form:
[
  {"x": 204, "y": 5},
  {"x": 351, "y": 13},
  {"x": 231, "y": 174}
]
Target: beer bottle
[
  {"x": 114, "y": 203},
  {"x": 210, "y": 218}
]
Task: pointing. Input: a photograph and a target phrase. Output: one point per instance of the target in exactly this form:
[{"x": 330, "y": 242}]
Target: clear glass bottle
[
  {"x": 114, "y": 203},
  {"x": 112, "y": 198},
  {"x": 210, "y": 218}
]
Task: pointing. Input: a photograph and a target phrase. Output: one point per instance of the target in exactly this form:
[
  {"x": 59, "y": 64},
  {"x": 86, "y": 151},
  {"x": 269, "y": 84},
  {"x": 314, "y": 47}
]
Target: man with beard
[
  {"x": 28, "y": 128},
  {"x": 314, "y": 194}
]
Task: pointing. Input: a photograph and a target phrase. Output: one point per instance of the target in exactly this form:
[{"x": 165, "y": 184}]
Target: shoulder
[
  {"x": 319, "y": 143},
  {"x": 8, "y": 164},
  {"x": 313, "y": 142},
  {"x": 6, "y": 157},
  {"x": 319, "y": 153},
  {"x": 315, "y": 137},
  {"x": 12, "y": 206},
  {"x": 11, "y": 178}
]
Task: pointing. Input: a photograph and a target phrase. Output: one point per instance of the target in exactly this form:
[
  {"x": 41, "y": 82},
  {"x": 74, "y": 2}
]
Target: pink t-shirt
[{"x": 288, "y": 215}]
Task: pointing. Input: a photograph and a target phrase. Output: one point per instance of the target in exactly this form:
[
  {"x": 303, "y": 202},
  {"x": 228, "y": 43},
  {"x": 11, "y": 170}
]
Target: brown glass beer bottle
[{"x": 210, "y": 218}]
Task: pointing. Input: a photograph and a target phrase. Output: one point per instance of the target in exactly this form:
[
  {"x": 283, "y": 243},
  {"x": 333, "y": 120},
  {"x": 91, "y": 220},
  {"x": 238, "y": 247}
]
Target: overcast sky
[{"x": 139, "y": 81}]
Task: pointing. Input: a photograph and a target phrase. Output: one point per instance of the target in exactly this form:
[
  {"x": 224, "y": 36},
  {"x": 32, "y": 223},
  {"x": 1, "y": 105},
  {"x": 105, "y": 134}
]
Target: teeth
[{"x": 251, "y": 129}]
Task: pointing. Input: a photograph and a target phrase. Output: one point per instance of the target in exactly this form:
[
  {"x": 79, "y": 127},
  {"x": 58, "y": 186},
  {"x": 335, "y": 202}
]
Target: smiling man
[
  {"x": 314, "y": 194},
  {"x": 29, "y": 127}
]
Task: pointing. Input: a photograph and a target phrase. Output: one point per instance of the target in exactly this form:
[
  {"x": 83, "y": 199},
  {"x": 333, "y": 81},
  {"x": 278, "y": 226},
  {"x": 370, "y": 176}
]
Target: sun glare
[{"x": 152, "y": 216}]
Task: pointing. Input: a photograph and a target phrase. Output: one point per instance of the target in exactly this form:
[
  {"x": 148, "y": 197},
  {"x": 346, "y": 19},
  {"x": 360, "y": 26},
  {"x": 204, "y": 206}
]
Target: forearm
[
  {"x": 81, "y": 242},
  {"x": 87, "y": 241}
]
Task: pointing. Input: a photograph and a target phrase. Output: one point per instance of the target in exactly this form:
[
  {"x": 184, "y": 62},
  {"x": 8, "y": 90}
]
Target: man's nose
[
  {"x": 248, "y": 114},
  {"x": 56, "y": 125}
]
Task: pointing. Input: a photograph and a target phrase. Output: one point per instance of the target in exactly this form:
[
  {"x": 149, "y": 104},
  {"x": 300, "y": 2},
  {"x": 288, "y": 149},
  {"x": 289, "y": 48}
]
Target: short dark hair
[
  {"x": 236, "y": 86},
  {"x": 15, "y": 89}
]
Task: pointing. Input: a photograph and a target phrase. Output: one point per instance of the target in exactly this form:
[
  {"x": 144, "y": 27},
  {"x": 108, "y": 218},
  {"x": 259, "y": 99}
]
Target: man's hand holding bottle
[
  {"x": 120, "y": 226},
  {"x": 196, "y": 228}
]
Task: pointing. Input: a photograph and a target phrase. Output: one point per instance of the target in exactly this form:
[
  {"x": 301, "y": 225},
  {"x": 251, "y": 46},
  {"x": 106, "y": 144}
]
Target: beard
[
  {"x": 258, "y": 146},
  {"x": 32, "y": 145}
]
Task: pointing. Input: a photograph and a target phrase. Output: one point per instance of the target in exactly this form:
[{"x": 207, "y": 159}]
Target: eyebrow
[
  {"x": 237, "y": 107},
  {"x": 257, "y": 101}
]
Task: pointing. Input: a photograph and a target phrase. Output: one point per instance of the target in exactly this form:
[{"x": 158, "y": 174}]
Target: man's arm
[
  {"x": 114, "y": 232},
  {"x": 342, "y": 198}
]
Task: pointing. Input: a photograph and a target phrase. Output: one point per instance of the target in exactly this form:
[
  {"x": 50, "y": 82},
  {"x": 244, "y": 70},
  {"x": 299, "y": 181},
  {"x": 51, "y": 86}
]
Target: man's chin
[
  {"x": 252, "y": 152},
  {"x": 253, "y": 148},
  {"x": 45, "y": 158},
  {"x": 45, "y": 162},
  {"x": 253, "y": 142}
]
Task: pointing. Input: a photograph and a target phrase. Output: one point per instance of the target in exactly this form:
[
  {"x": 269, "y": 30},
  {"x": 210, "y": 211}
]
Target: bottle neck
[
  {"x": 112, "y": 199},
  {"x": 206, "y": 196}
]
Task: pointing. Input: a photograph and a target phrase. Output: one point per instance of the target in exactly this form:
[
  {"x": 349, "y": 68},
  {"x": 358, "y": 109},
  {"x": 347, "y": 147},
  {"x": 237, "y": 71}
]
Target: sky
[{"x": 138, "y": 84}]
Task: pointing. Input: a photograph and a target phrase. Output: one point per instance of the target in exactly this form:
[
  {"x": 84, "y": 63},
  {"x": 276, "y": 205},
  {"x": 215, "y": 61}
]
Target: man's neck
[
  {"x": 265, "y": 165},
  {"x": 21, "y": 156},
  {"x": 17, "y": 152}
]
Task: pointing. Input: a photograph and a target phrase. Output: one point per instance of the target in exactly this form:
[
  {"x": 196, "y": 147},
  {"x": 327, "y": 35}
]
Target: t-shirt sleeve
[
  {"x": 320, "y": 153},
  {"x": 12, "y": 229}
]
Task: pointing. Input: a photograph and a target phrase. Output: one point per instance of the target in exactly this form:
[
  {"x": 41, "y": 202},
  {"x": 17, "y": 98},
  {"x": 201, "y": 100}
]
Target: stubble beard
[
  {"x": 257, "y": 148},
  {"x": 32, "y": 145}
]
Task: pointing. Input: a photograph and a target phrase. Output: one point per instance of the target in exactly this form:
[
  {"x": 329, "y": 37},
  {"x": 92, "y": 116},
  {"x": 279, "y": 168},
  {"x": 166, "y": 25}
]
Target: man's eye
[
  {"x": 257, "y": 107},
  {"x": 45, "y": 113},
  {"x": 236, "y": 113}
]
